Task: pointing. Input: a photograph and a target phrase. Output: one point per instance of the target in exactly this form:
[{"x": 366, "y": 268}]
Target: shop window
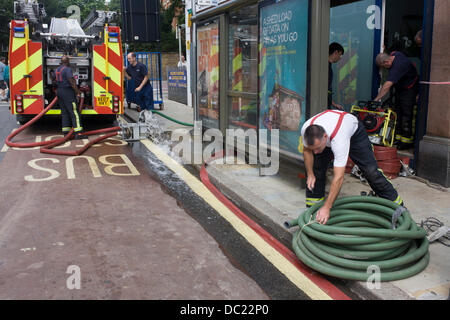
[
  {"x": 354, "y": 26},
  {"x": 243, "y": 67},
  {"x": 283, "y": 60},
  {"x": 208, "y": 73}
]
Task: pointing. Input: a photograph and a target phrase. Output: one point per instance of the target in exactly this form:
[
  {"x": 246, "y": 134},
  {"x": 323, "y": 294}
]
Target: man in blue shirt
[
  {"x": 144, "y": 91},
  {"x": 404, "y": 79},
  {"x": 67, "y": 93}
]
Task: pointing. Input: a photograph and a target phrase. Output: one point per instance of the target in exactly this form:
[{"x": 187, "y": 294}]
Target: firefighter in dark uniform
[
  {"x": 335, "y": 53},
  {"x": 67, "y": 93},
  {"x": 404, "y": 78}
]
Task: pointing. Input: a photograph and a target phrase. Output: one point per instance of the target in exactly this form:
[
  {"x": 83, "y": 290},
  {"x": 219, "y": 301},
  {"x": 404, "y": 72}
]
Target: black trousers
[
  {"x": 70, "y": 116},
  {"x": 405, "y": 100},
  {"x": 361, "y": 153}
]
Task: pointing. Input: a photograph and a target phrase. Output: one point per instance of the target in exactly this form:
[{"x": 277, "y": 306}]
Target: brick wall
[
  {"x": 168, "y": 59},
  {"x": 438, "y": 103}
]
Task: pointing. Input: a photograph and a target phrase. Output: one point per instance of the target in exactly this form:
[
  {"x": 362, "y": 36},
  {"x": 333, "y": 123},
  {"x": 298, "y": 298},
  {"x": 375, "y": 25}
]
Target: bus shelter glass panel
[
  {"x": 356, "y": 26},
  {"x": 243, "y": 67},
  {"x": 283, "y": 62},
  {"x": 208, "y": 74}
]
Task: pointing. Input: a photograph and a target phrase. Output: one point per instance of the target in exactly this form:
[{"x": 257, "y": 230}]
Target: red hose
[
  {"x": 26, "y": 125},
  {"x": 47, "y": 149},
  {"x": 48, "y": 145},
  {"x": 385, "y": 153}
]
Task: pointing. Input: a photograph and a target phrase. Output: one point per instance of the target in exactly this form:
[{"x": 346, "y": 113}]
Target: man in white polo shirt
[{"x": 339, "y": 134}]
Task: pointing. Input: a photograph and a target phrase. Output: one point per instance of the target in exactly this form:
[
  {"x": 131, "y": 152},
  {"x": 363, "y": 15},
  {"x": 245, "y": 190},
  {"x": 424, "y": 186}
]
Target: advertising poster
[
  {"x": 177, "y": 84},
  {"x": 283, "y": 70},
  {"x": 208, "y": 74}
]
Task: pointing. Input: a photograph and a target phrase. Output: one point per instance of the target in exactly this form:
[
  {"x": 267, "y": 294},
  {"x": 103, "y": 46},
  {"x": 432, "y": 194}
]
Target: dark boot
[{"x": 79, "y": 136}]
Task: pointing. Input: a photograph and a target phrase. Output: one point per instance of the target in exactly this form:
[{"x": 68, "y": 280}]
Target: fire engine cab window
[{"x": 243, "y": 67}]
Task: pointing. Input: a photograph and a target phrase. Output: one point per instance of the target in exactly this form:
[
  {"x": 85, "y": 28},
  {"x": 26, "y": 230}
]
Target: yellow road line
[{"x": 271, "y": 254}]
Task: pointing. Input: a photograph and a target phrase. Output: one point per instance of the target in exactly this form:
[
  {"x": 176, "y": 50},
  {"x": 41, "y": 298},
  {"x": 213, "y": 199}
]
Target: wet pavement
[{"x": 272, "y": 200}]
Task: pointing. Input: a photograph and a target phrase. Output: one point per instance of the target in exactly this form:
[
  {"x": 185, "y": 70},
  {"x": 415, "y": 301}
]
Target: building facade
[{"x": 264, "y": 65}]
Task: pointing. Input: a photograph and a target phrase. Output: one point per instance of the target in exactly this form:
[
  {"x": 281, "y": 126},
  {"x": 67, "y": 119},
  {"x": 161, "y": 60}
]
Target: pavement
[{"x": 273, "y": 200}]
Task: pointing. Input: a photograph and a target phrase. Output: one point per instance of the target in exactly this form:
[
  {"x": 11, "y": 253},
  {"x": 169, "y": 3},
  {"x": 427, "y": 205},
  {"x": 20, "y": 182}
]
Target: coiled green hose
[{"x": 359, "y": 235}]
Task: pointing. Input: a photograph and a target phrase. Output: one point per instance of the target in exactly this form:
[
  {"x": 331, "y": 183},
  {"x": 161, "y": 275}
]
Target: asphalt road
[
  {"x": 101, "y": 226},
  {"x": 7, "y": 124},
  {"x": 124, "y": 221}
]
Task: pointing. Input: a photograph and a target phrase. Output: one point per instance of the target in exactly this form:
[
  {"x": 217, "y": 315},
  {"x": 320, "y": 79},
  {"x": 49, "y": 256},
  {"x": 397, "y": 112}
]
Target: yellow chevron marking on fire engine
[
  {"x": 28, "y": 102},
  {"x": 17, "y": 43},
  {"x": 114, "y": 74},
  {"x": 99, "y": 90},
  {"x": 18, "y": 72},
  {"x": 35, "y": 61},
  {"x": 100, "y": 64},
  {"x": 115, "y": 48},
  {"x": 38, "y": 88},
  {"x": 270, "y": 253}
]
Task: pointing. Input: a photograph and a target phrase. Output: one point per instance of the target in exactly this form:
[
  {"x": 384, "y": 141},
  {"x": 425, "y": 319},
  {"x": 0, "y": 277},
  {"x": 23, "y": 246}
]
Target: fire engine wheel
[{"x": 161, "y": 106}]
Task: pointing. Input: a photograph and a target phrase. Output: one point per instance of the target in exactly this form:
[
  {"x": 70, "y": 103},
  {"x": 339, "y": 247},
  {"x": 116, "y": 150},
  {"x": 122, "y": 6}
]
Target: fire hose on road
[
  {"x": 134, "y": 132},
  {"x": 359, "y": 238},
  {"x": 46, "y": 146}
]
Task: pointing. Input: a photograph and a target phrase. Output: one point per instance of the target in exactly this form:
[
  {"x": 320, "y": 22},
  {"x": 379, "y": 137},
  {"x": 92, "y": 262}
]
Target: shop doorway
[
  {"x": 403, "y": 24},
  {"x": 365, "y": 28}
]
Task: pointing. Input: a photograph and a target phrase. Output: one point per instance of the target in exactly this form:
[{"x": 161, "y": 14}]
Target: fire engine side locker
[{"x": 26, "y": 72}]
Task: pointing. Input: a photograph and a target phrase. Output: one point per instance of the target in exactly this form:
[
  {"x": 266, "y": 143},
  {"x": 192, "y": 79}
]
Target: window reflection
[
  {"x": 243, "y": 67},
  {"x": 208, "y": 74}
]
